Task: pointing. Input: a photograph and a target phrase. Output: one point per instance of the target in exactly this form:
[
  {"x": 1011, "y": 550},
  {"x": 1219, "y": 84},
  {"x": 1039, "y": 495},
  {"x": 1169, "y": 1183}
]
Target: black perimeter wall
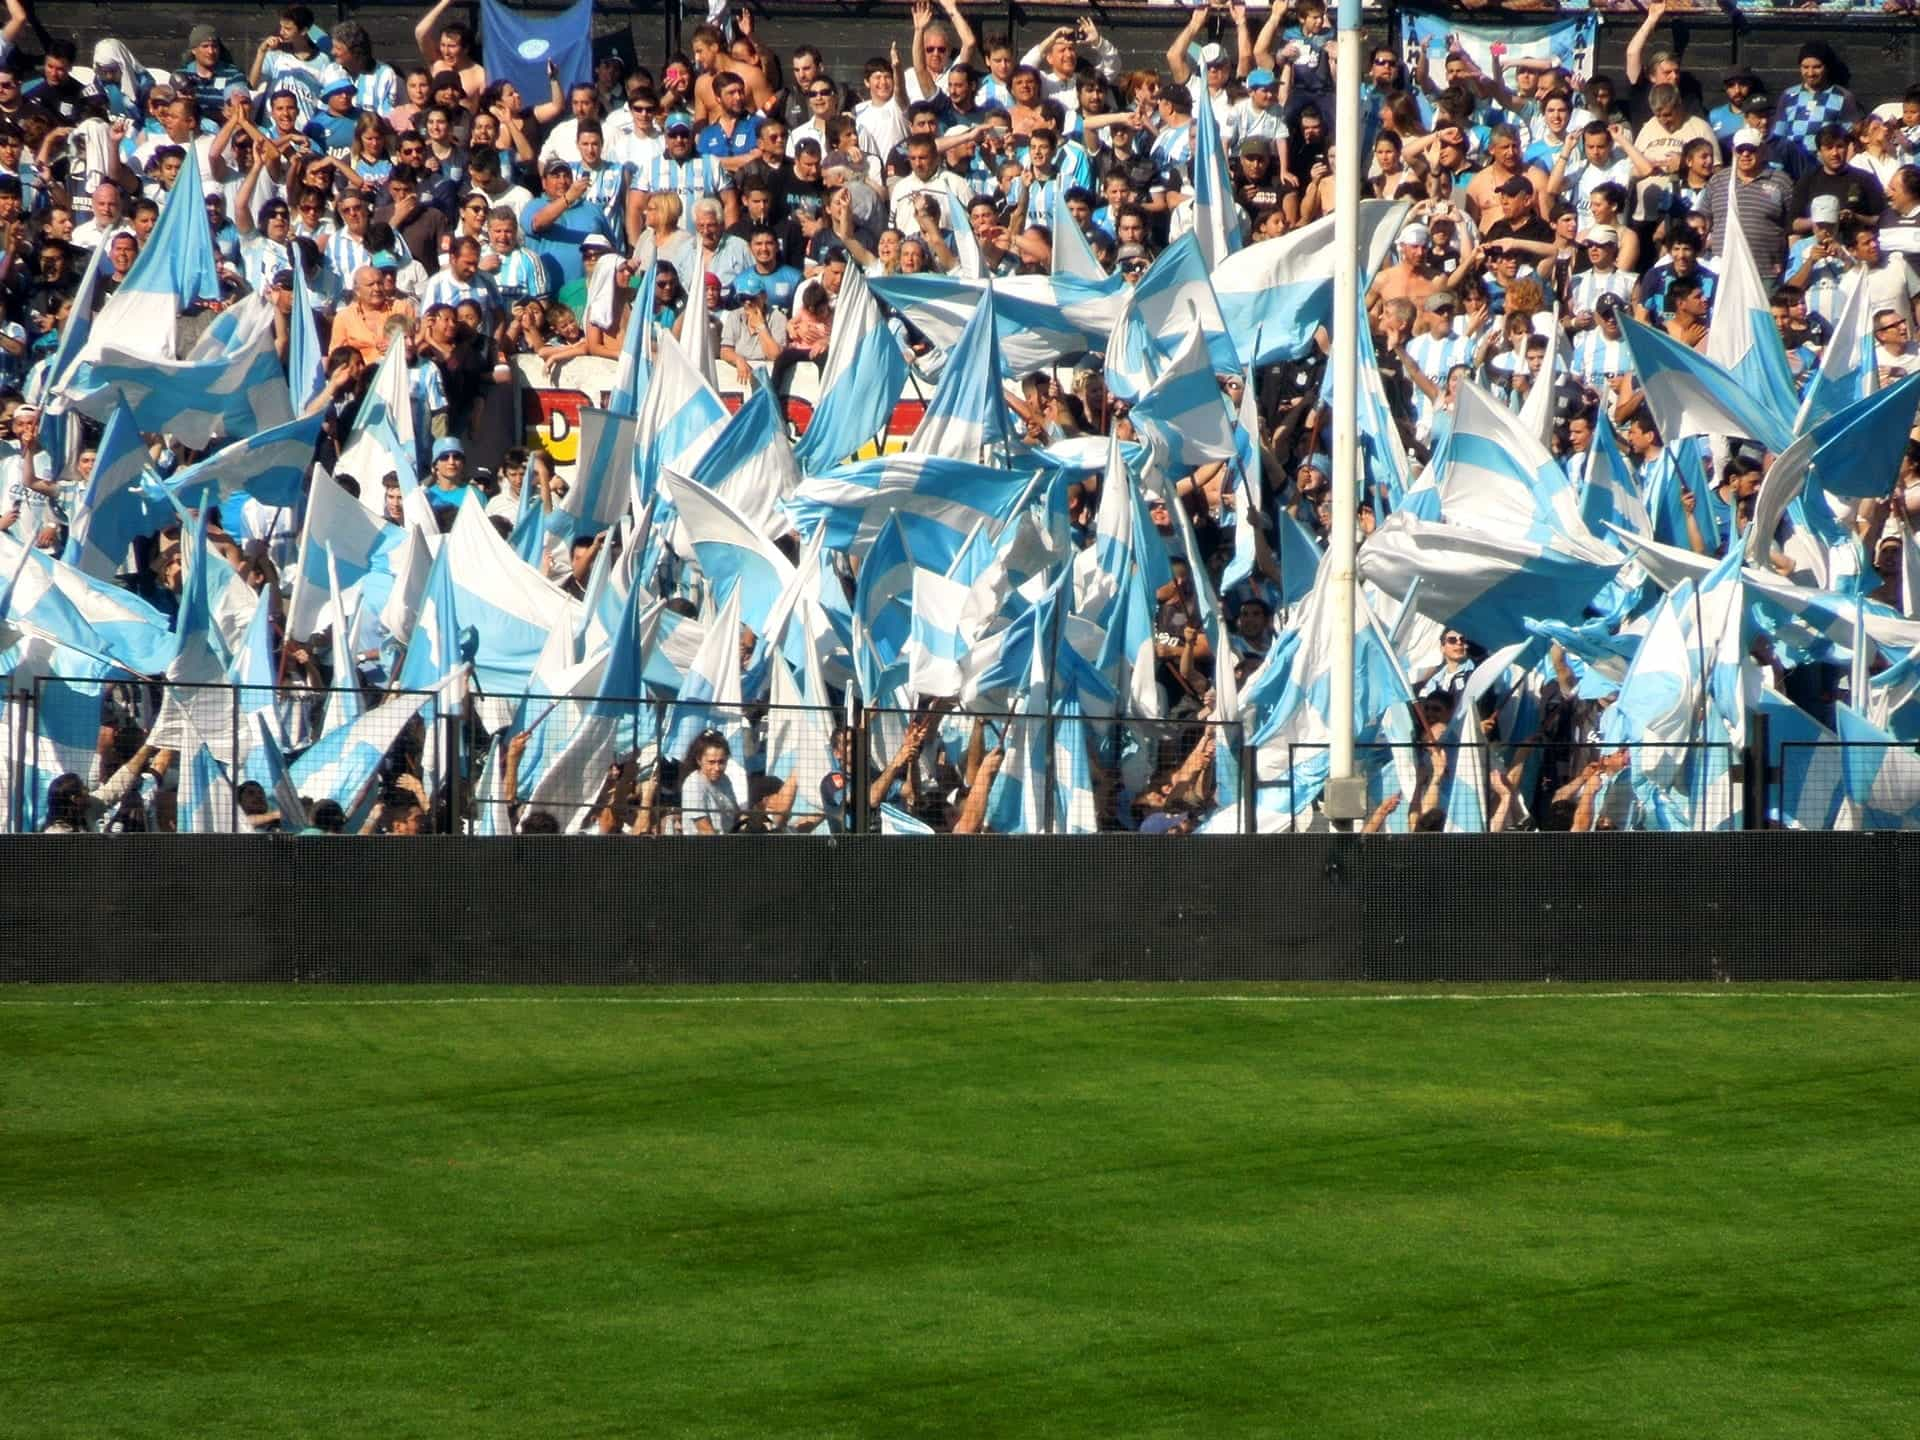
[
  {"x": 1883, "y": 53},
  {"x": 1756, "y": 906}
]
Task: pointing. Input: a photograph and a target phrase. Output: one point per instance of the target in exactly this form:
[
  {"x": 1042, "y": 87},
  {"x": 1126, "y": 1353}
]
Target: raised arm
[
  {"x": 426, "y": 34},
  {"x": 16, "y": 22},
  {"x": 1637, "y": 46},
  {"x": 1263, "y": 42},
  {"x": 964, "y": 38},
  {"x": 1177, "y": 52}
]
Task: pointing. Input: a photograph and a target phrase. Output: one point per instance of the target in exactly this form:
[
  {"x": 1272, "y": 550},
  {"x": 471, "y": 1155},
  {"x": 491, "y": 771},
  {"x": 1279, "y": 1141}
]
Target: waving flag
[
  {"x": 750, "y": 463},
  {"x": 938, "y": 501},
  {"x": 1185, "y": 411},
  {"x": 1273, "y": 295},
  {"x": 710, "y": 695},
  {"x": 1858, "y": 447},
  {"x": 968, "y": 417},
  {"x": 113, "y": 512},
  {"x": 679, "y": 418},
  {"x": 271, "y": 467},
  {"x": 485, "y": 605},
  {"x": 336, "y": 528},
  {"x": 68, "y": 606},
  {"x": 1073, "y": 256},
  {"x": 861, "y": 382},
  {"x": 1039, "y": 320},
  {"x": 206, "y": 803},
  {"x": 1848, "y": 369},
  {"x": 1743, "y": 339},
  {"x": 306, "y": 361},
  {"x": 736, "y": 556},
  {"x": 1216, "y": 219},
  {"x": 231, "y": 383},
  {"x": 174, "y": 270},
  {"x": 520, "y": 45},
  {"x": 883, "y": 613},
  {"x": 1496, "y": 478},
  {"x": 1171, "y": 301},
  {"x": 603, "y": 477},
  {"x": 1487, "y": 585},
  {"x": 1690, "y": 395}
]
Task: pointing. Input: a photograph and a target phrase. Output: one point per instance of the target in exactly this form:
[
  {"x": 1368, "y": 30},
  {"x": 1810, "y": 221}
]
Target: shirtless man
[
  {"x": 450, "y": 47},
  {"x": 710, "y": 58},
  {"x": 1503, "y": 153},
  {"x": 1412, "y": 277}
]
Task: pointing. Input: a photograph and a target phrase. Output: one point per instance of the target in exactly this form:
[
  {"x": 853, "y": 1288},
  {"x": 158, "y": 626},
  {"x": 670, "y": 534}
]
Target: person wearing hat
[
  {"x": 1131, "y": 262},
  {"x": 1765, "y": 201},
  {"x": 1259, "y": 191},
  {"x": 1600, "y": 354},
  {"x": 1740, "y": 84},
  {"x": 449, "y": 466},
  {"x": 684, "y": 172},
  {"x": 1787, "y": 158},
  {"x": 1259, "y": 116},
  {"x": 206, "y": 73},
  {"x": 1859, "y": 194},
  {"x": 1602, "y": 277},
  {"x": 554, "y": 225},
  {"x": 1519, "y": 228},
  {"x": 331, "y": 128},
  {"x": 1413, "y": 275},
  {"x": 289, "y": 59},
  {"x": 1431, "y": 355},
  {"x": 1816, "y": 102}
]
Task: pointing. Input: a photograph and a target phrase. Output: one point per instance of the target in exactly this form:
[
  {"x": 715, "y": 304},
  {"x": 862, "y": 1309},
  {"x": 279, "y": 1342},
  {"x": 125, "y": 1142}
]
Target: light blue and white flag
[
  {"x": 1858, "y": 448},
  {"x": 306, "y": 361},
  {"x": 1156, "y": 315},
  {"x": 860, "y": 383},
  {"x": 678, "y": 419},
  {"x": 1274, "y": 294},
  {"x": 710, "y": 695},
  {"x": 1184, "y": 413},
  {"x": 968, "y": 419},
  {"x": 735, "y": 555},
  {"x": 206, "y": 805},
  {"x": 1847, "y": 370},
  {"x": 1216, "y": 219},
  {"x": 883, "y": 613},
  {"x": 1688, "y": 394},
  {"x": 938, "y": 500},
  {"x": 1039, "y": 320},
  {"x": 113, "y": 511},
  {"x": 1496, "y": 478},
  {"x": 750, "y": 463},
  {"x": 231, "y": 383},
  {"x": 603, "y": 477},
  {"x": 482, "y": 604},
  {"x": 1487, "y": 585},
  {"x": 66, "y": 605},
  {"x": 174, "y": 270},
  {"x": 337, "y": 528},
  {"x": 1743, "y": 340},
  {"x": 343, "y": 765},
  {"x": 271, "y": 467}
]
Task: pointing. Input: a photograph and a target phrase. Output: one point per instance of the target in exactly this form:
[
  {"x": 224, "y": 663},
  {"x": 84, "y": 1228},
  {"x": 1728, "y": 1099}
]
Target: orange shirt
[{"x": 365, "y": 331}]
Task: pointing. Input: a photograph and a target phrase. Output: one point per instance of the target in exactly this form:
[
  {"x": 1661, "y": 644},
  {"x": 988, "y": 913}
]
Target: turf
[{"x": 1020, "y": 1212}]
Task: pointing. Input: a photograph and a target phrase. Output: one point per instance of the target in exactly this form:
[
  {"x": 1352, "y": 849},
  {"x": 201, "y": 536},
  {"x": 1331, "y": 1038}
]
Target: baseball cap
[
  {"x": 1825, "y": 210},
  {"x": 1257, "y": 78},
  {"x": 558, "y": 167},
  {"x": 339, "y": 85},
  {"x": 595, "y": 241},
  {"x": 1256, "y": 146},
  {"x": 678, "y": 122},
  {"x": 448, "y": 445},
  {"x": 1747, "y": 138},
  {"x": 1212, "y": 55},
  {"x": 1518, "y": 185},
  {"x": 1415, "y": 235},
  {"x": 1758, "y": 105},
  {"x": 1603, "y": 235},
  {"x": 1739, "y": 73},
  {"x": 1440, "y": 300}
]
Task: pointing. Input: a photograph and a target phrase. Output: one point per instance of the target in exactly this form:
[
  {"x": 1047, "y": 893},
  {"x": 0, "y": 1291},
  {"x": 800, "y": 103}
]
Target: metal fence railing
[
  {"x": 134, "y": 755},
  {"x": 138, "y": 755},
  {"x": 1462, "y": 787}
]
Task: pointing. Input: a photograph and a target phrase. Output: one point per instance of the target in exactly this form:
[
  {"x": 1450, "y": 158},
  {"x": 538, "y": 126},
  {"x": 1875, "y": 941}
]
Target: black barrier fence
[{"x": 1583, "y": 908}]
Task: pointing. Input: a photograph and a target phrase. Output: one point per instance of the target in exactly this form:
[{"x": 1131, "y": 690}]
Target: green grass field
[{"x": 1014, "y": 1212}]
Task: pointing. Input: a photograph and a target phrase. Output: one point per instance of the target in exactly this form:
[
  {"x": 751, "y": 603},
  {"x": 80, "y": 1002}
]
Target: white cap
[
  {"x": 1747, "y": 136},
  {"x": 1825, "y": 210},
  {"x": 1211, "y": 54},
  {"x": 1415, "y": 235},
  {"x": 1603, "y": 235}
]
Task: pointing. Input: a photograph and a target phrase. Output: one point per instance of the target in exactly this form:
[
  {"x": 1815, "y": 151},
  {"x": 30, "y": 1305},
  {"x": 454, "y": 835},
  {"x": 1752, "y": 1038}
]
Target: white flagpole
[{"x": 1345, "y": 797}]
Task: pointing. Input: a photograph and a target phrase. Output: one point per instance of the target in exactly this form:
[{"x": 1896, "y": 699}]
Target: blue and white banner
[
  {"x": 1567, "y": 42},
  {"x": 519, "y": 46}
]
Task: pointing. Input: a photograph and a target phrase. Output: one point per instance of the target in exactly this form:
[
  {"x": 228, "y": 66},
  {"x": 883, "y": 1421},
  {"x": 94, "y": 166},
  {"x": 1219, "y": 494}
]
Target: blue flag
[{"x": 519, "y": 46}]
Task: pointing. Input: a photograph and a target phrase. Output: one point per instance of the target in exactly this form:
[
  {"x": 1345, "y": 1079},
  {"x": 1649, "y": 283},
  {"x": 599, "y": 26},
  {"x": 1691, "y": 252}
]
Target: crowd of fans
[{"x": 428, "y": 205}]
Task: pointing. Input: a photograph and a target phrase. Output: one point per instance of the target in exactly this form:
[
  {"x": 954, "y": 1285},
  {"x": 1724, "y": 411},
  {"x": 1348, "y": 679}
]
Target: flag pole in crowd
[{"x": 1346, "y": 797}]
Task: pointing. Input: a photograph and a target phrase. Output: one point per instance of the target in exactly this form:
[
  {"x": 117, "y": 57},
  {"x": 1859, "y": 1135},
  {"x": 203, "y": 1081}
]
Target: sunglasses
[
  {"x": 474, "y": 207},
  {"x": 1453, "y": 639},
  {"x": 819, "y": 94}
]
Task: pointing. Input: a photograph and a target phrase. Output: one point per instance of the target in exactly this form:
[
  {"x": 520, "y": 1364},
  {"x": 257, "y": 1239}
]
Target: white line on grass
[{"x": 1731, "y": 992}]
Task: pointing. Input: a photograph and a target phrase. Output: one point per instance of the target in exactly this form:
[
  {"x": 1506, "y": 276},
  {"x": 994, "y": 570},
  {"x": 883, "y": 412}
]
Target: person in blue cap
[
  {"x": 449, "y": 471},
  {"x": 332, "y": 128}
]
